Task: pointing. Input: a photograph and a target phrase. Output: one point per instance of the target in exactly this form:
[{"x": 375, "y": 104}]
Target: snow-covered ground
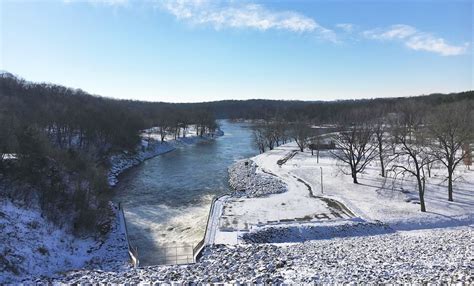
[
  {"x": 31, "y": 247},
  {"x": 151, "y": 146},
  {"x": 392, "y": 201},
  {"x": 437, "y": 256},
  {"x": 308, "y": 208}
]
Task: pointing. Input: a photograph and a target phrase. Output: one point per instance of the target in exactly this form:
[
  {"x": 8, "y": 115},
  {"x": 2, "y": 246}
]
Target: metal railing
[
  {"x": 132, "y": 251},
  {"x": 197, "y": 251},
  {"x": 198, "y": 248},
  {"x": 173, "y": 255}
]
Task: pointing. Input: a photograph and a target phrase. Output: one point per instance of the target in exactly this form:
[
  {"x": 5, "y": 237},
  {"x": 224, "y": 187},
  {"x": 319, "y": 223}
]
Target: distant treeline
[{"x": 322, "y": 111}]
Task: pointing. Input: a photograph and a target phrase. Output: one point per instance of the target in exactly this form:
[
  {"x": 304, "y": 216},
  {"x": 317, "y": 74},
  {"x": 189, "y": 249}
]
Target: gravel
[
  {"x": 305, "y": 232},
  {"x": 246, "y": 180},
  {"x": 428, "y": 256}
]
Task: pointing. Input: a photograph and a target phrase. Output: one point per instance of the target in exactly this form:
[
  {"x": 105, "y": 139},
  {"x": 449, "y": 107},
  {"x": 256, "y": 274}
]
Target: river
[{"x": 167, "y": 198}]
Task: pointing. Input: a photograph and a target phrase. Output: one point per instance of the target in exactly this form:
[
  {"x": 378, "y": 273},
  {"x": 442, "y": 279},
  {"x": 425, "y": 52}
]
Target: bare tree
[
  {"x": 163, "y": 122},
  {"x": 259, "y": 139},
  {"x": 280, "y": 131},
  {"x": 384, "y": 145},
  {"x": 413, "y": 152},
  {"x": 450, "y": 126},
  {"x": 355, "y": 148},
  {"x": 269, "y": 132},
  {"x": 301, "y": 132}
]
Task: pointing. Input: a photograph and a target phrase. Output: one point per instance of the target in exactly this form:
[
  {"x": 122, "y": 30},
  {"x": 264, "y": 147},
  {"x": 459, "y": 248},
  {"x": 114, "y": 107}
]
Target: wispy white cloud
[
  {"x": 391, "y": 33},
  {"x": 232, "y": 14},
  {"x": 346, "y": 27},
  {"x": 416, "y": 40}
]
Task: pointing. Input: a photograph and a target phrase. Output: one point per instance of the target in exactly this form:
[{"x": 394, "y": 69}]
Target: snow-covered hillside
[{"x": 31, "y": 247}]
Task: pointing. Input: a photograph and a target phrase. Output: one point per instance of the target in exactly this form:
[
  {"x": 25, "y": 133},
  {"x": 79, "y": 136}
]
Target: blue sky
[{"x": 202, "y": 50}]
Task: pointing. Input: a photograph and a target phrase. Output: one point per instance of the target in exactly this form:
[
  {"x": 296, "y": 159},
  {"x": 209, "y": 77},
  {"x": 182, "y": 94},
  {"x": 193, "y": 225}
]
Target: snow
[
  {"x": 297, "y": 204},
  {"x": 33, "y": 247},
  {"x": 306, "y": 205},
  {"x": 121, "y": 162},
  {"x": 394, "y": 202},
  {"x": 9, "y": 156},
  {"x": 424, "y": 256}
]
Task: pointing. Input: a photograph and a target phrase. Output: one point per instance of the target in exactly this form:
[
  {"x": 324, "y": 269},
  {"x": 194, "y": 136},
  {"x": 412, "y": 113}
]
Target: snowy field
[
  {"x": 391, "y": 201},
  {"x": 306, "y": 207}
]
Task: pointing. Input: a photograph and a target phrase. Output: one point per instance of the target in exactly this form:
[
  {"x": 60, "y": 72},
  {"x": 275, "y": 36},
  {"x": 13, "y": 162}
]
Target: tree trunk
[
  {"x": 382, "y": 166},
  {"x": 421, "y": 193},
  {"x": 450, "y": 185},
  {"x": 354, "y": 177}
]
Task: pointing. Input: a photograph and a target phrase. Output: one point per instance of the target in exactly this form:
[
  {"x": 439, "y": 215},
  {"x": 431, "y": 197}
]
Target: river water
[{"x": 167, "y": 198}]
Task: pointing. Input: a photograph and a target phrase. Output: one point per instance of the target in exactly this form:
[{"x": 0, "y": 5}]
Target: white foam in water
[{"x": 166, "y": 226}]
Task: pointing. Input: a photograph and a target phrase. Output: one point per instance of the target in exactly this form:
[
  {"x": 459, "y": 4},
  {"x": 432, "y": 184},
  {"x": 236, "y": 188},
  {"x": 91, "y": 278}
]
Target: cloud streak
[
  {"x": 243, "y": 15},
  {"x": 416, "y": 40}
]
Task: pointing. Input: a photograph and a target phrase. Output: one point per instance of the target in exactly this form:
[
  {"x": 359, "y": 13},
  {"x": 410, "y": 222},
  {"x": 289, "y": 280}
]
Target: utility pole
[{"x": 322, "y": 191}]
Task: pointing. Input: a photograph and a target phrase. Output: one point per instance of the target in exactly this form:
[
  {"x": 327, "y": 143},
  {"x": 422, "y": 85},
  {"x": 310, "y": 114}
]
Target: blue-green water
[{"x": 167, "y": 198}]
